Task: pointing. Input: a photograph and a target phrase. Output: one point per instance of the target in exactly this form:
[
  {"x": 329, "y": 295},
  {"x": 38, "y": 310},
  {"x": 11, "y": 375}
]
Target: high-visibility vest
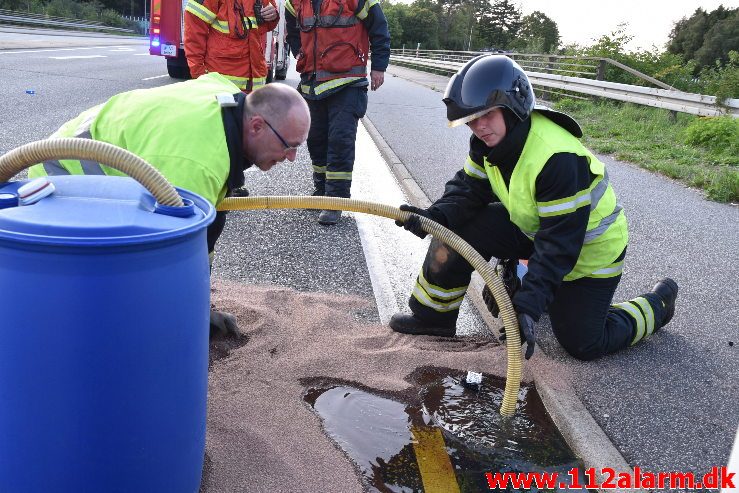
[
  {"x": 176, "y": 128},
  {"x": 606, "y": 235},
  {"x": 334, "y": 42}
]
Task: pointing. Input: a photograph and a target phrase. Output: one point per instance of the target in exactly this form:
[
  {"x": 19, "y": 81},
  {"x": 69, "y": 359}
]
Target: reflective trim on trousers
[
  {"x": 439, "y": 292},
  {"x": 338, "y": 175},
  {"x": 420, "y": 295},
  {"x": 641, "y": 311}
]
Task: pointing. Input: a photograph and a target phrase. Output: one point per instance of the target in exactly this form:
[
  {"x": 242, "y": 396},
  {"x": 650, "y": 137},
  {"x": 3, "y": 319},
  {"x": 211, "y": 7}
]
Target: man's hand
[
  {"x": 413, "y": 224},
  {"x": 376, "y": 78},
  {"x": 526, "y": 326},
  {"x": 269, "y": 12},
  {"x": 222, "y": 324}
]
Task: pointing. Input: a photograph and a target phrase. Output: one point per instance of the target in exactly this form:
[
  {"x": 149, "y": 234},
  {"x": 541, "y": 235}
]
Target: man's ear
[{"x": 254, "y": 124}]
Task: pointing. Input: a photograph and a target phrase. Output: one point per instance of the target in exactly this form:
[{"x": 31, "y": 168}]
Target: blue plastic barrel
[{"x": 103, "y": 339}]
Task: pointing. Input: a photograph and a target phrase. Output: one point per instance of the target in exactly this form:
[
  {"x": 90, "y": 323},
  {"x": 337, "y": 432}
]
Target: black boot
[
  {"x": 666, "y": 289},
  {"x": 410, "y": 324}
]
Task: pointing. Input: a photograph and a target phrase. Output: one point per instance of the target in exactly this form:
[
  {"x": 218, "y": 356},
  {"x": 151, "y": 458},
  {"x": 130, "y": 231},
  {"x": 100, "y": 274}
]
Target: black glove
[
  {"x": 528, "y": 333},
  {"x": 508, "y": 272},
  {"x": 222, "y": 324},
  {"x": 413, "y": 224}
]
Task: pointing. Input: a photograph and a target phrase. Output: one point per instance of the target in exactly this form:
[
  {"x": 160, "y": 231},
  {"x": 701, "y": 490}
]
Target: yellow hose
[
  {"x": 71, "y": 148},
  {"x": 92, "y": 150},
  {"x": 486, "y": 271}
]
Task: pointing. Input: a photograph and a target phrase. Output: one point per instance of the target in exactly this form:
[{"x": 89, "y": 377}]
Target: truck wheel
[
  {"x": 270, "y": 74},
  {"x": 177, "y": 67},
  {"x": 281, "y": 74}
]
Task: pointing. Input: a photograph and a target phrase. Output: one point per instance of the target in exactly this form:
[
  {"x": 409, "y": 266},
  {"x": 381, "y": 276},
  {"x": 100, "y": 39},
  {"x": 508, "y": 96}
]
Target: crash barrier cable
[
  {"x": 486, "y": 271},
  {"x": 165, "y": 194}
]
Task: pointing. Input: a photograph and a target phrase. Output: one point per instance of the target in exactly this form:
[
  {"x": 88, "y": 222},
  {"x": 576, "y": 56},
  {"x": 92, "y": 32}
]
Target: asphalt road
[{"x": 667, "y": 404}]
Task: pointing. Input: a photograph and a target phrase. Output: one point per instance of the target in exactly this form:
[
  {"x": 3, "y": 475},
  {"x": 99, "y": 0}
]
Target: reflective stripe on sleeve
[
  {"x": 199, "y": 11},
  {"x": 474, "y": 170},
  {"x": 365, "y": 10},
  {"x": 563, "y": 206}
]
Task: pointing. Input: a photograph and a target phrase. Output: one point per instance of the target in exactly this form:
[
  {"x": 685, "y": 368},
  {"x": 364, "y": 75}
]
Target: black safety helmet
[{"x": 486, "y": 82}]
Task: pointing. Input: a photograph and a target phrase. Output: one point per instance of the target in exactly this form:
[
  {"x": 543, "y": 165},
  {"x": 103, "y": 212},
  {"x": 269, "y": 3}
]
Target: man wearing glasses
[
  {"x": 200, "y": 134},
  {"x": 331, "y": 41}
]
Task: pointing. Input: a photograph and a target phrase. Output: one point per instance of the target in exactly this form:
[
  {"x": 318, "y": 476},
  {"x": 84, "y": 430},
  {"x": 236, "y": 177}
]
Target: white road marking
[
  {"x": 58, "y": 49},
  {"x": 156, "y": 77},
  {"x": 393, "y": 255},
  {"x": 141, "y": 54},
  {"x": 77, "y": 56}
]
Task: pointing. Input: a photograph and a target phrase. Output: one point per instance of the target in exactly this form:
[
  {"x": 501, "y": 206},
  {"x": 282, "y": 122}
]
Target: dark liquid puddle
[{"x": 442, "y": 435}]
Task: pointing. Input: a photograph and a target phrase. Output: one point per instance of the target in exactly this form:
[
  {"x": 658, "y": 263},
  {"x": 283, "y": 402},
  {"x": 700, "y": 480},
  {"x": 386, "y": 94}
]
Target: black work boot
[
  {"x": 410, "y": 324},
  {"x": 666, "y": 289},
  {"x": 329, "y": 218},
  {"x": 240, "y": 192}
]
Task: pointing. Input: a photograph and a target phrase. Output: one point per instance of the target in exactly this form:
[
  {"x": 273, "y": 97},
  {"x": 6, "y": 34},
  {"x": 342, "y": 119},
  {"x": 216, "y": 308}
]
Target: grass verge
[{"x": 700, "y": 152}]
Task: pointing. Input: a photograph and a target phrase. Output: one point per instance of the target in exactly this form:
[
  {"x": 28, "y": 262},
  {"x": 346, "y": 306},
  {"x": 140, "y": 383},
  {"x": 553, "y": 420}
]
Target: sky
[{"x": 649, "y": 21}]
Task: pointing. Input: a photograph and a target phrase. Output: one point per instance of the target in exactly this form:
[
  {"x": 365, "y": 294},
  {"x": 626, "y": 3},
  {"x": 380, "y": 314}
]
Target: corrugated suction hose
[
  {"x": 92, "y": 150},
  {"x": 132, "y": 165},
  {"x": 486, "y": 271}
]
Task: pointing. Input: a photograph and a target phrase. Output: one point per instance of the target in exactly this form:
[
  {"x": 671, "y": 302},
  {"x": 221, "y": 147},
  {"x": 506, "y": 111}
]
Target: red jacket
[
  {"x": 335, "y": 43},
  {"x": 223, "y": 36}
]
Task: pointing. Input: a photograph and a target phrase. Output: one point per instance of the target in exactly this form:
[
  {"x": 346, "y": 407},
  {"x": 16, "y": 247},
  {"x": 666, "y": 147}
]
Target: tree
[
  {"x": 706, "y": 36},
  {"x": 499, "y": 24},
  {"x": 395, "y": 14},
  {"x": 538, "y": 30},
  {"x": 421, "y": 26}
]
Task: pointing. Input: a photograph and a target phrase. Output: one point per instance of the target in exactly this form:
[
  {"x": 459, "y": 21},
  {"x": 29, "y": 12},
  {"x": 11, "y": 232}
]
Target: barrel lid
[{"x": 100, "y": 211}]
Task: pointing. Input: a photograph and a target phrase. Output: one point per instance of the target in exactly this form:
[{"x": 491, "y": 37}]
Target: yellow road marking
[{"x": 436, "y": 469}]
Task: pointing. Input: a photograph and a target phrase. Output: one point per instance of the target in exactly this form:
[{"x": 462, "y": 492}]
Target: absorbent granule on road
[{"x": 262, "y": 436}]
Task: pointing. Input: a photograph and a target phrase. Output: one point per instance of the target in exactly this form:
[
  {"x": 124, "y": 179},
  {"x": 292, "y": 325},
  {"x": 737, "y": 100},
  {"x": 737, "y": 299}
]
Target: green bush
[{"x": 717, "y": 134}]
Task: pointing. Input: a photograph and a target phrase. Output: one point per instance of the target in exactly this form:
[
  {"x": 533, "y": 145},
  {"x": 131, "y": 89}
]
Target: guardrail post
[
  {"x": 418, "y": 48},
  {"x": 601, "y": 75},
  {"x": 550, "y": 65}
]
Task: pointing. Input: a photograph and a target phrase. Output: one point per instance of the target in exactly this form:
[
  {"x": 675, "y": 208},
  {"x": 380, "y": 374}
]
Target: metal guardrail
[
  {"x": 23, "y": 18},
  {"x": 548, "y": 71}
]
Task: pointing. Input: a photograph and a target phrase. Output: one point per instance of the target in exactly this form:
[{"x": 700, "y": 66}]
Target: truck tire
[
  {"x": 270, "y": 74},
  {"x": 281, "y": 74},
  {"x": 177, "y": 67}
]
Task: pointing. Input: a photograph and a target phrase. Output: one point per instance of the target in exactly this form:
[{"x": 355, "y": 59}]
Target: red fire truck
[{"x": 166, "y": 38}]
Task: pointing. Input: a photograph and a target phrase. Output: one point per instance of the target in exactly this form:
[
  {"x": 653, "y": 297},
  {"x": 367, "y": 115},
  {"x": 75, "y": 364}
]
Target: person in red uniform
[{"x": 228, "y": 37}]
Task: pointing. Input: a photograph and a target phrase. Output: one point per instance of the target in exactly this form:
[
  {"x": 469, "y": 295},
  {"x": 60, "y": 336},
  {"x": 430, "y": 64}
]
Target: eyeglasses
[{"x": 287, "y": 146}]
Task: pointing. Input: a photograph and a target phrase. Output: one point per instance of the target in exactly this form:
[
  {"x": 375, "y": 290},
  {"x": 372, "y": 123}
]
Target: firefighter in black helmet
[{"x": 530, "y": 190}]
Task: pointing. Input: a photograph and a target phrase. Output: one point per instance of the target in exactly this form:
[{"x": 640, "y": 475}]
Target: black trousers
[
  {"x": 331, "y": 139},
  {"x": 215, "y": 229},
  {"x": 583, "y": 320}
]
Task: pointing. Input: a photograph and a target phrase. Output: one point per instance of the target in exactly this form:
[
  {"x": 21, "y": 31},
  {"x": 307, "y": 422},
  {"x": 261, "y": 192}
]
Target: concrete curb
[{"x": 582, "y": 433}]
